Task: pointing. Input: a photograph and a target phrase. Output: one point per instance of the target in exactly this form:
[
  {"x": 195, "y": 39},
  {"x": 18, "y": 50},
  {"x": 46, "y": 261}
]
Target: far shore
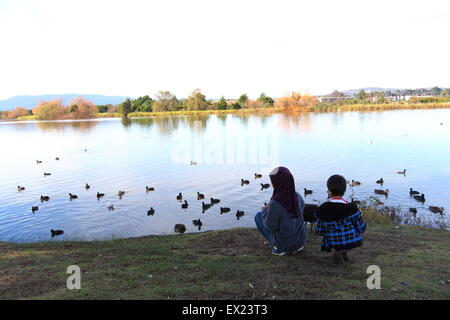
[{"x": 271, "y": 110}]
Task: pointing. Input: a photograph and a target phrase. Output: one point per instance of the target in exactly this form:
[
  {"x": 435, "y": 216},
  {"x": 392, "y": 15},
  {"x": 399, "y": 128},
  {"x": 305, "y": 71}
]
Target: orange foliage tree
[
  {"x": 17, "y": 112},
  {"x": 49, "y": 110},
  {"x": 80, "y": 108},
  {"x": 295, "y": 100}
]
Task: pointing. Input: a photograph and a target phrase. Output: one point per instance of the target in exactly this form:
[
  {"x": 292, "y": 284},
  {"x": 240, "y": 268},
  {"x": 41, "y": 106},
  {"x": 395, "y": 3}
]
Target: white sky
[{"x": 228, "y": 47}]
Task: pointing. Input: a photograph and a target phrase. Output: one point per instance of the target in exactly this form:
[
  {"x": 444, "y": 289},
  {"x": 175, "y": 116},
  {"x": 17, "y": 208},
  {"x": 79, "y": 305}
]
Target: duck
[
  {"x": 87, "y": 186},
  {"x": 34, "y": 209},
  {"x": 214, "y": 201},
  {"x": 45, "y": 198},
  {"x": 179, "y": 196},
  {"x": 420, "y": 198},
  {"x": 382, "y": 192},
  {"x": 72, "y": 196},
  {"x": 357, "y": 202},
  {"x": 355, "y": 183},
  {"x": 200, "y": 196},
  {"x": 47, "y": 174},
  {"x": 110, "y": 207},
  {"x": 224, "y": 210},
  {"x": 413, "y": 211},
  {"x": 151, "y": 212},
  {"x": 185, "y": 205},
  {"x": 179, "y": 228},
  {"x": 100, "y": 195},
  {"x": 239, "y": 214},
  {"x": 56, "y": 232},
  {"x": 436, "y": 209},
  {"x": 198, "y": 223},
  {"x": 148, "y": 189},
  {"x": 121, "y": 194},
  {"x": 244, "y": 182},
  {"x": 19, "y": 188},
  {"x": 265, "y": 186},
  {"x": 413, "y": 192},
  {"x": 402, "y": 172},
  {"x": 258, "y": 176},
  {"x": 381, "y": 181},
  {"x": 308, "y": 191},
  {"x": 193, "y": 163},
  {"x": 206, "y": 206},
  {"x": 57, "y": 159},
  {"x": 38, "y": 161}
]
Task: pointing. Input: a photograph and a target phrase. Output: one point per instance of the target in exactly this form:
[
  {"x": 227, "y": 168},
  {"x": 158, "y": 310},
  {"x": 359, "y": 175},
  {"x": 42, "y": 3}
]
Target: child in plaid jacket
[{"x": 339, "y": 221}]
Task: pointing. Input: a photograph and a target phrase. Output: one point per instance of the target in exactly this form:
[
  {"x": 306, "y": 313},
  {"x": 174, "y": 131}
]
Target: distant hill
[
  {"x": 352, "y": 92},
  {"x": 30, "y": 102}
]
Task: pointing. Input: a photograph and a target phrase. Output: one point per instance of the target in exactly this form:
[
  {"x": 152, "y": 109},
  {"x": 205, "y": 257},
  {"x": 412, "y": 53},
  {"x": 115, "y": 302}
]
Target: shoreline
[
  {"x": 266, "y": 111},
  {"x": 229, "y": 264}
]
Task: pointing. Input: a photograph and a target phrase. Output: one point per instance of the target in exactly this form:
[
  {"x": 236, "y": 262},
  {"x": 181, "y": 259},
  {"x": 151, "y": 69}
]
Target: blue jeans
[{"x": 264, "y": 231}]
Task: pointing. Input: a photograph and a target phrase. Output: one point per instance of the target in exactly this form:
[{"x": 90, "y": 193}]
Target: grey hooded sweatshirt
[{"x": 288, "y": 234}]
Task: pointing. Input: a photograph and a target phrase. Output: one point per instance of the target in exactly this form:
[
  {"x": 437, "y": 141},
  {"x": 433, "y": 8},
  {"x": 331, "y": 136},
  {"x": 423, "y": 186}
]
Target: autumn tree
[
  {"x": 295, "y": 100},
  {"x": 165, "y": 101},
  {"x": 16, "y": 113},
  {"x": 49, "y": 110},
  {"x": 196, "y": 101},
  {"x": 80, "y": 108}
]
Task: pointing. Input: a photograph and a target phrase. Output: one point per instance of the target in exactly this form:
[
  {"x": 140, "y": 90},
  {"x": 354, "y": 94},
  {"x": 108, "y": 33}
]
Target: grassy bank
[
  {"x": 320, "y": 108},
  {"x": 231, "y": 264}
]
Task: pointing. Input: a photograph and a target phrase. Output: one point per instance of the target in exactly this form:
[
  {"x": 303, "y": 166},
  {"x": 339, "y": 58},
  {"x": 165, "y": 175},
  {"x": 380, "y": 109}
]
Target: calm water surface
[{"x": 128, "y": 155}]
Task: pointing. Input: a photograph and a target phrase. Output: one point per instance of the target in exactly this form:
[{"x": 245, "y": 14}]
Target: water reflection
[{"x": 79, "y": 126}]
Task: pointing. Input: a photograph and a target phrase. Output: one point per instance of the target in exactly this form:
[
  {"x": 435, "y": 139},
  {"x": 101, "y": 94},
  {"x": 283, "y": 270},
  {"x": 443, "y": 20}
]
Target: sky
[{"x": 225, "y": 48}]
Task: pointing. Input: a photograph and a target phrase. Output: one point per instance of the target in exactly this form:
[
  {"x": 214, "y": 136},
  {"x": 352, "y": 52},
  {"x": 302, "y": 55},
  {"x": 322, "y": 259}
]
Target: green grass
[{"x": 230, "y": 264}]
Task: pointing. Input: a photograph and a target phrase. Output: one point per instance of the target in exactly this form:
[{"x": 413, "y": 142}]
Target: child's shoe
[
  {"x": 344, "y": 255},
  {"x": 277, "y": 252},
  {"x": 337, "y": 257}
]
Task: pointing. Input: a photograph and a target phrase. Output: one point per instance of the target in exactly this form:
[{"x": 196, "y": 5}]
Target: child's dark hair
[{"x": 337, "y": 185}]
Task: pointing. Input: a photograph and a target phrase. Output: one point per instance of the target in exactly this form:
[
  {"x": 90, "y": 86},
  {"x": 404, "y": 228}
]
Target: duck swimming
[
  {"x": 206, "y": 206},
  {"x": 265, "y": 186},
  {"x": 45, "y": 198},
  {"x": 413, "y": 192},
  {"x": 420, "y": 198},
  {"x": 198, "y": 223},
  {"x": 56, "y": 232},
  {"x": 381, "y": 181},
  {"x": 57, "y": 159},
  {"x": 200, "y": 196},
  {"x": 179, "y": 228},
  {"x": 244, "y": 182},
  {"x": 72, "y": 196},
  {"x": 148, "y": 189},
  {"x": 224, "y": 210},
  {"x": 38, "y": 161},
  {"x": 47, "y": 174},
  {"x": 100, "y": 195},
  {"x": 355, "y": 183},
  {"x": 87, "y": 186},
  {"x": 185, "y": 205},
  {"x": 239, "y": 214},
  {"x": 34, "y": 209},
  {"x": 258, "y": 176},
  {"x": 121, "y": 194},
  {"x": 402, "y": 172},
  {"x": 151, "y": 212},
  {"x": 110, "y": 207},
  {"x": 193, "y": 163},
  {"x": 308, "y": 191},
  {"x": 179, "y": 196},
  {"x": 382, "y": 192},
  {"x": 214, "y": 201},
  {"x": 19, "y": 188},
  {"x": 436, "y": 209}
]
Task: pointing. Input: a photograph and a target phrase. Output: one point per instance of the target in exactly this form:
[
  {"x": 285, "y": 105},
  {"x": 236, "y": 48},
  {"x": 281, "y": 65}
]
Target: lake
[{"x": 115, "y": 154}]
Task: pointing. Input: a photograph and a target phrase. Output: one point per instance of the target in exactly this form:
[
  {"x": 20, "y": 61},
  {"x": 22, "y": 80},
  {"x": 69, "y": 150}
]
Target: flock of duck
[
  {"x": 181, "y": 228},
  {"x": 416, "y": 195}
]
